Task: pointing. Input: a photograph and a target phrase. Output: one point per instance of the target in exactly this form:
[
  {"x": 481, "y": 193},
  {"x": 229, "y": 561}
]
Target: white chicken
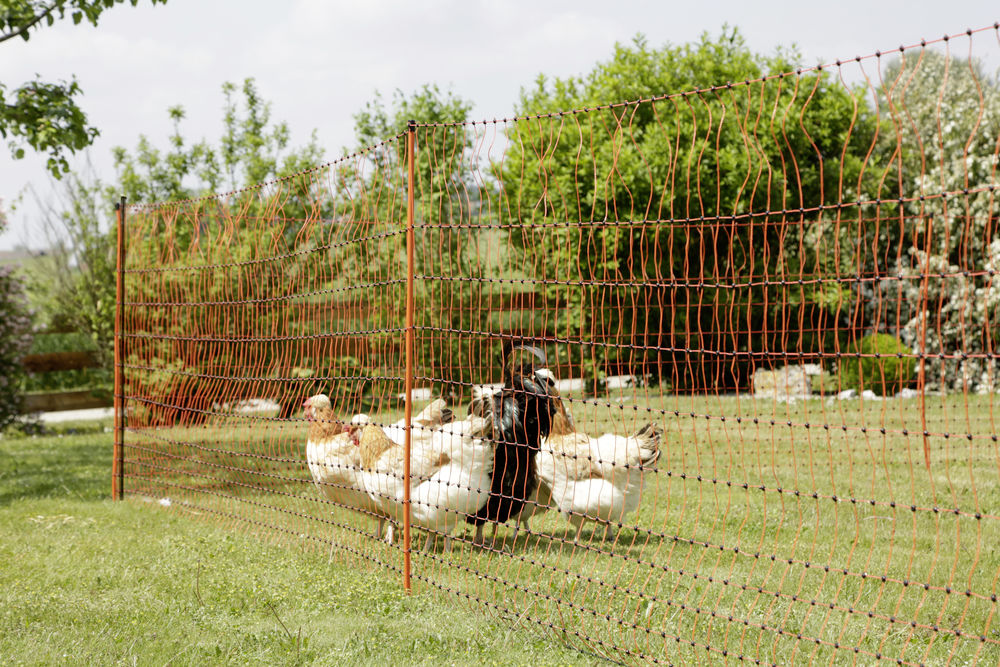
[
  {"x": 424, "y": 424},
  {"x": 334, "y": 459},
  {"x": 600, "y": 479},
  {"x": 449, "y": 474}
]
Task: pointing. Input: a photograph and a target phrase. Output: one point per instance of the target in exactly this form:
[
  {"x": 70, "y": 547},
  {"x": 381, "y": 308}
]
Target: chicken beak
[
  {"x": 307, "y": 410},
  {"x": 542, "y": 382}
]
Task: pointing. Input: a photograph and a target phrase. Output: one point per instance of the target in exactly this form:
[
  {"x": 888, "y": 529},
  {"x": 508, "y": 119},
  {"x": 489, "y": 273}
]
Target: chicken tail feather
[{"x": 649, "y": 437}]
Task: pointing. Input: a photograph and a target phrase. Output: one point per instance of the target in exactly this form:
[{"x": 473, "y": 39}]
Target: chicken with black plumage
[{"x": 522, "y": 413}]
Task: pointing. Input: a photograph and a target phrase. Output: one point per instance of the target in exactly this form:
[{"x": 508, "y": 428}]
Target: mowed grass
[
  {"x": 772, "y": 532},
  {"x": 85, "y": 580}
]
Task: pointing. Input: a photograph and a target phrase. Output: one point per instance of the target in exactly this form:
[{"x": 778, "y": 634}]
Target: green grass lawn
[
  {"x": 771, "y": 532},
  {"x": 84, "y": 580}
]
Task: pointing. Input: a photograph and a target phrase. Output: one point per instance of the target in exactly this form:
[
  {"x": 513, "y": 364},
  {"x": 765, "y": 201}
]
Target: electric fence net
[{"x": 753, "y": 326}]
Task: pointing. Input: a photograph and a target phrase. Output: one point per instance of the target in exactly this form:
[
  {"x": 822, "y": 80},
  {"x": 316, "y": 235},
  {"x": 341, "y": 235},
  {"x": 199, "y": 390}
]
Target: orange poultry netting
[{"x": 705, "y": 376}]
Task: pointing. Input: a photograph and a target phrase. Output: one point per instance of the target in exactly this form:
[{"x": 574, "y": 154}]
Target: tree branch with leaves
[{"x": 41, "y": 115}]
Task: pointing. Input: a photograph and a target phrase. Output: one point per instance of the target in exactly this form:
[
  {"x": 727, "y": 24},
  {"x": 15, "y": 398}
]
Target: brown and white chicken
[
  {"x": 595, "y": 479},
  {"x": 334, "y": 459},
  {"x": 450, "y": 472}
]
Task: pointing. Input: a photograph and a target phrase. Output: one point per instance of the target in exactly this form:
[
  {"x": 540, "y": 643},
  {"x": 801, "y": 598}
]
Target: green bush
[
  {"x": 885, "y": 365},
  {"x": 825, "y": 383},
  {"x": 15, "y": 341}
]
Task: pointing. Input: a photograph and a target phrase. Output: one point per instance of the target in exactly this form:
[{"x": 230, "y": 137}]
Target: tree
[
  {"x": 80, "y": 287},
  {"x": 75, "y": 279},
  {"x": 446, "y": 198},
  {"x": 269, "y": 212},
  {"x": 251, "y": 150},
  {"x": 648, "y": 213},
  {"x": 40, "y": 114}
]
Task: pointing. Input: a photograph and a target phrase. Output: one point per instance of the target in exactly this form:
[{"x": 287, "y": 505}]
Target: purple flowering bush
[{"x": 15, "y": 341}]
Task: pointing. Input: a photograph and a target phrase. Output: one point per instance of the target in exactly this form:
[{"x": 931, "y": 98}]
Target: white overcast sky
[{"x": 319, "y": 61}]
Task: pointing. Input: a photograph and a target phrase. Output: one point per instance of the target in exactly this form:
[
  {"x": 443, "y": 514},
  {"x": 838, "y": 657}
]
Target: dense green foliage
[
  {"x": 15, "y": 340},
  {"x": 882, "y": 363},
  {"x": 45, "y": 115},
  {"x": 685, "y": 166}
]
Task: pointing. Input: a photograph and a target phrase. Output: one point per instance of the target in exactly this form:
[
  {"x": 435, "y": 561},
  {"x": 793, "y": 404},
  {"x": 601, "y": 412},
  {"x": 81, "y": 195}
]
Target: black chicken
[{"x": 522, "y": 413}]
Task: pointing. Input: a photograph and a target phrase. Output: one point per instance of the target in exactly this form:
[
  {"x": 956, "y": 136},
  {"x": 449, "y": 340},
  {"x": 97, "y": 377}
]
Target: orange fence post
[
  {"x": 922, "y": 371},
  {"x": 411, "y": 136},
  {"x": 118, "y": 467}
]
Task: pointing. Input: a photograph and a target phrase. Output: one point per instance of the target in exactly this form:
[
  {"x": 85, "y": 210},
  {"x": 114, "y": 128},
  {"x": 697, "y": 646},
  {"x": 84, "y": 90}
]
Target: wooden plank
[
  {"x": 64, "y": 400},
  {"x": 59, "y": 361}
]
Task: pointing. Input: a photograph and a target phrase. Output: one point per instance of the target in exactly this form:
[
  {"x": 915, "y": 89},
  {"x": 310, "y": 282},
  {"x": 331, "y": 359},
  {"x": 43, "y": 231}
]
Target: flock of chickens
[{"x": 516, "y": 455}]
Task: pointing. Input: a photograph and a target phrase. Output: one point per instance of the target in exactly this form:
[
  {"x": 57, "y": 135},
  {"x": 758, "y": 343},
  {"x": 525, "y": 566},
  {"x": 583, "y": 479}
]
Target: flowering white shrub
[
  {"x": 943, "y": 298},
  {"x": 960, "y": 318}
]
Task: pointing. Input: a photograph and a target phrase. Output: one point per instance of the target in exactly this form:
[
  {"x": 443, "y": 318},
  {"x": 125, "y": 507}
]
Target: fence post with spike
[
  {"x": 118, "y": 468},
  {"x": 411, "y": 140}
]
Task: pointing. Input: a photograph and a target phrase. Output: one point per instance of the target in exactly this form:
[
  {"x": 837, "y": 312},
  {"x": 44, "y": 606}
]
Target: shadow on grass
[
  {"x": 629, "y": 543},
  {"x": 56, "y": 466}
]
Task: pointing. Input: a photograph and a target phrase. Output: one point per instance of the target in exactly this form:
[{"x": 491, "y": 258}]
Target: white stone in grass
[
  {"x": 253, "y": 406},
  {"x": 812, "y": 369},
  {"x": 419, "y": 394},
  {"x": 870, "y": 395},
  {"x": 845, "y": 395},
  {"x": 621, "y": 381},
  {"x": 783, "y": 384},
  {"x": 907, "y": 393},
  {"x": 165, "y": 502}
]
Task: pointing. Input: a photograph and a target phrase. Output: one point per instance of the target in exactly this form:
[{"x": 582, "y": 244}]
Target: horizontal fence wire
[{"x": 705, "y": 376}]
